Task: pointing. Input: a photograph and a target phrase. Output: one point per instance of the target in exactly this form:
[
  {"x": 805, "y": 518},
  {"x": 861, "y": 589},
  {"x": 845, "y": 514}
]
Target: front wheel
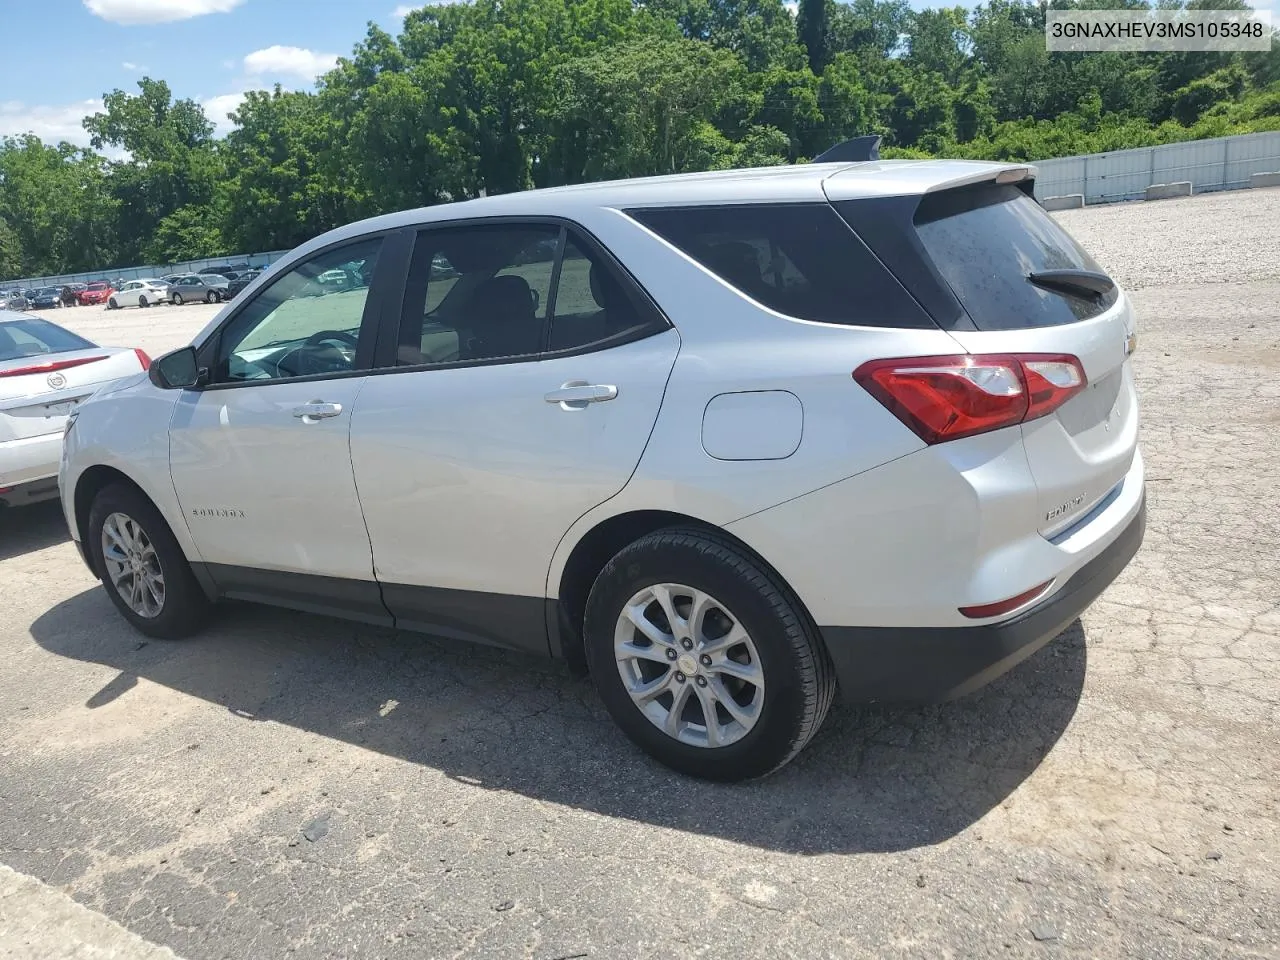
[
  {"x": 704, "y": 658},
  {"x": 212, "y": 297},
  {"x": 112, "y": 305},
  {"x": 142, "y": 567}
]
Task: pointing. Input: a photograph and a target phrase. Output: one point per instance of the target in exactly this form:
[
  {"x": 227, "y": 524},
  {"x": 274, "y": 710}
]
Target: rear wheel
[
  {"x": 177, "y": 299},
  {"x": 704, "y": 658},
  {"x": 142, "y": 302},
  {"x": 143, "y": 569}
]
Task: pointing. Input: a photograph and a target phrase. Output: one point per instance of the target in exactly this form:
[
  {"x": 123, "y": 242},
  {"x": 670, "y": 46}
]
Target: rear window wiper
[{"x": 1089, "y": 284}]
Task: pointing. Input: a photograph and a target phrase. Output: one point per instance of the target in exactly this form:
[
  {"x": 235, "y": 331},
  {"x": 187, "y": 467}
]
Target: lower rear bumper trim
[{"x": 933, "y": 664}]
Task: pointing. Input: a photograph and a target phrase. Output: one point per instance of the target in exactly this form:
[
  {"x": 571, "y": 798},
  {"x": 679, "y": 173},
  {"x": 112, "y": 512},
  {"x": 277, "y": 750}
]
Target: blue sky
[{"x": 60, "y": 56}]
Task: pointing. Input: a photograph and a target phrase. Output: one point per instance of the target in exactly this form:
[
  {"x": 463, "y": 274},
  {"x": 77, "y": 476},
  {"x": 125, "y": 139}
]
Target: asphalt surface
[{"x": 289, "y": 785}]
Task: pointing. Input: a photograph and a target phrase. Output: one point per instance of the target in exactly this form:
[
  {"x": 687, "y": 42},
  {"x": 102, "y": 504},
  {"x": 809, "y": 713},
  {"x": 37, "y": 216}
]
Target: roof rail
[{"x": 856, "y": 150}]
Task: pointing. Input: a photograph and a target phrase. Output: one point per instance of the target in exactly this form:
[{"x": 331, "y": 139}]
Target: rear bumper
[
  {"x": 932, "y": 664},
  {"x": 30, "y": 459}
]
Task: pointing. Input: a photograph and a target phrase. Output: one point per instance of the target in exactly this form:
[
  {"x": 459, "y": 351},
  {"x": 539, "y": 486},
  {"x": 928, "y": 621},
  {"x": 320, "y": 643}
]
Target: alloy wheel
[
  {"x": 132, "y": 565},
  {"x": 689, "y": 665}
]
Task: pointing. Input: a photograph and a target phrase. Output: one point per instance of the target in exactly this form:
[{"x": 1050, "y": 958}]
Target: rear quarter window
[
  {"x": 986, "y": 241},
  {"x": 799, "y": 259}
]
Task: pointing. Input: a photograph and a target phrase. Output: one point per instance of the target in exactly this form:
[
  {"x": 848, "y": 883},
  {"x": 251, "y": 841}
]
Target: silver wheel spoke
[
  {"x": 748, "y": 672},
  {"x": 735, "y": 636},
  {"x": 707, "y": 700},
  {"x": 635, "y": 615},
  {"x": 655, "y": 653},
  {"x": 701, "y": 606},
  {"x": 662, "y": 593},
  {"x": 651, "y": 690},
  {"x": 680, "y": 698},
  {"x": 744, "y": 715}
]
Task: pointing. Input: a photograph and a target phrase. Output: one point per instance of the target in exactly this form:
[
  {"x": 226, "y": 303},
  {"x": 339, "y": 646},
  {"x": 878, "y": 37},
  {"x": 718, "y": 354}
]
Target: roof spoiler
[{"x": 857, "y": 150}]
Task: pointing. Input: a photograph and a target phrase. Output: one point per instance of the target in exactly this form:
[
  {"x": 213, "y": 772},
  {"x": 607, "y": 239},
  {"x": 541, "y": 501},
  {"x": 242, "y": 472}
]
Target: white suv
[{"x": 730, "y": 441}]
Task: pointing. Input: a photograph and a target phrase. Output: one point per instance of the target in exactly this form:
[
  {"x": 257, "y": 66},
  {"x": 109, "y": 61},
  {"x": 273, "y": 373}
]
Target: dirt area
[{"x": 289, "y": 785}]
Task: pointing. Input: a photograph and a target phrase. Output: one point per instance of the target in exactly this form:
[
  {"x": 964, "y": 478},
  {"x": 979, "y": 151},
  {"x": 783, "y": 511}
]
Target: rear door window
[
  {"x": 987, "y": 241},
  {"x": 799, "y": 259}
]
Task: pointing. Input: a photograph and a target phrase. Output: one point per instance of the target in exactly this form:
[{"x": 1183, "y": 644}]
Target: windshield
[
  {"x": 30, "y": 337},
  {"x": 97, "y": 286}
]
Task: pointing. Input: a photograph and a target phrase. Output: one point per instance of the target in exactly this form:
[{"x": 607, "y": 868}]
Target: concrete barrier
[
  {"x": 1265, "y": 180},
  {"x": 1072, "y": 201},
  {"x": 1163, "y": 191}
]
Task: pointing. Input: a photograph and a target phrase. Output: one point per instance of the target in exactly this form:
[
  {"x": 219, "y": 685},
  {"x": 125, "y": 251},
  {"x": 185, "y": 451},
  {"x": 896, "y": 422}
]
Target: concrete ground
[{"x": 288, "y": 785}]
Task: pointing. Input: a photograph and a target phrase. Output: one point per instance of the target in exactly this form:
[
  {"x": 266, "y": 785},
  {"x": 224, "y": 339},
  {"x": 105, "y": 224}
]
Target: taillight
[
  {"x": 142, "y": 357},
  {"x": 946, "y": 398},
  {"x": 50, "y": 366}
]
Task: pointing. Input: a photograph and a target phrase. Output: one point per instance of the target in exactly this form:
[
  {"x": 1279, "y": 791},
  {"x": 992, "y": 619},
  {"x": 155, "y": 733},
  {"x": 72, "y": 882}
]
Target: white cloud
[
  {"x": 133, "y": 67},
  {"x": 291, "y": 61},
  {"x": 50, "y": 122},
  {"x": 217, "y": 108},
  {"x": 157, "y": 11},
  {"x": 403, "y": 11}
]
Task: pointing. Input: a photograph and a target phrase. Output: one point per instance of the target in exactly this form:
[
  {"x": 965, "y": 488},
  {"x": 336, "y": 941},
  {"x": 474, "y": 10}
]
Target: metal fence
[
  {"x": 1224, "y": 163},
  {"x": 136, "y": 273}
]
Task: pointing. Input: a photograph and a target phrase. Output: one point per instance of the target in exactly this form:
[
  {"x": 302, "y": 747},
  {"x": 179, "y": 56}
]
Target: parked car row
[{"x": 209, "y": 285}]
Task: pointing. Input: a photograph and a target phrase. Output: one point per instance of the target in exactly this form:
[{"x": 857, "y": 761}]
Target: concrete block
[
  {"x": 1163, "y": 191},
  {"x": 1072, "y": 201},
  {"x": 1265, "y": 180}
]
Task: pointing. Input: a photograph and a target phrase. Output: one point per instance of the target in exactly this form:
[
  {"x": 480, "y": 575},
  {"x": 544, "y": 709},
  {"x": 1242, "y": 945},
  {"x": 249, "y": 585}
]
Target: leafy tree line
[{"x": 493, "y": 96}]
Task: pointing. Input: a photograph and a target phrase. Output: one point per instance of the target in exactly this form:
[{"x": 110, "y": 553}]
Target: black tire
[
  {"x": 212, "y": 297},
  {"x": 112, "y": 305},
  {"x": 142, "y": 302},
  {"x": 185, "y": 608},
  {"x": 177, "y": 299},
  {"x": 799, "y": 683}
]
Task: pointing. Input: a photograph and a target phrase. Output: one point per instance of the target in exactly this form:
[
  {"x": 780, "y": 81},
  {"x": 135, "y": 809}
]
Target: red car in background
[{"x": 96, "y": 292}]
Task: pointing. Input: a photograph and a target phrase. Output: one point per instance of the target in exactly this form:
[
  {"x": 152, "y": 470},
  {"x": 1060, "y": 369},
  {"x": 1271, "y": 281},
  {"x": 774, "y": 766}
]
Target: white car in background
[
  {"x": 44, "y": 372},
  {"x": 139, "y": 293},
  {"x": 729, "y": 440}
]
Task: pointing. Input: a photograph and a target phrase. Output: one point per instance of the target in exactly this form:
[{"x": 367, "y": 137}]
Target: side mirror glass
[{"x": 176, "y": 370}]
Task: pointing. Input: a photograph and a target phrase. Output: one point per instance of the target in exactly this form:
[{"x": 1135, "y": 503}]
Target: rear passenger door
[{"x": 520, "y": 392}]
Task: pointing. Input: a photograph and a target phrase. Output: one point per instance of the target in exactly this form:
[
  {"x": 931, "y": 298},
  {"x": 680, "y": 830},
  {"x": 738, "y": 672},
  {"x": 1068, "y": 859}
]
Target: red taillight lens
[
  {"x": 142, "y": 357},
  {"x": 50, "y": 366},
  {"x": 1004, "y": 606},
  {"x": 946, "y": 398}
]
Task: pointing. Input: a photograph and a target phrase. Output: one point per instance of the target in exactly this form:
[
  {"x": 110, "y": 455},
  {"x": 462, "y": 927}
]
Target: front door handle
[
  {"x": 576, "y": 394},
  {"x": 316, "y": 410}
]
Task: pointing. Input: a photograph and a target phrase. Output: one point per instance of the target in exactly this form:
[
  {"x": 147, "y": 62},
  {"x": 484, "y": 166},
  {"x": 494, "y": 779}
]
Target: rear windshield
[
  {"x": 30, "y": 337},
  {"x": 800, "y": 259},
  {"x": 986, "y": 242},
  {"x": 97, "y": 286}
]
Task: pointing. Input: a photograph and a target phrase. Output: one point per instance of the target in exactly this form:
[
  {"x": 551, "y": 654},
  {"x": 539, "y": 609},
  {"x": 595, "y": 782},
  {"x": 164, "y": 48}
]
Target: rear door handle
[
  {"x": 576, "y": 394},
  {"x": 316, "y": 410}
]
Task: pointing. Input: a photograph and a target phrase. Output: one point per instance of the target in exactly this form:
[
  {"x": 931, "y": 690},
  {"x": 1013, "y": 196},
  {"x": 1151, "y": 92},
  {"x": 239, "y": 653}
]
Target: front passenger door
[{"x": 260, "y": 456}]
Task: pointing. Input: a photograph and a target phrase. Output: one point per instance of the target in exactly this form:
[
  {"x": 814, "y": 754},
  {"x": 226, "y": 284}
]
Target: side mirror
[
  {"x": 536, "y": 297},
  {"x": 176, "y": 370}
]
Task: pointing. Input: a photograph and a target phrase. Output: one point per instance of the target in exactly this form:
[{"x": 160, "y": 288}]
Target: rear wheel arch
[{"x": 602, "y": 542}]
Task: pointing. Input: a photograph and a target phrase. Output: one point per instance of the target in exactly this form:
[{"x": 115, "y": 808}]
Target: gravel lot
[{"x": 291, "y": 785}]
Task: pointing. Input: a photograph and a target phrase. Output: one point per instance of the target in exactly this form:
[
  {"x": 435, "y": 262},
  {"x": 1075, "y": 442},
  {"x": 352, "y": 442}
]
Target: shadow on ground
[
  {"x": 27, "y": 529},
  {"x": 873, "y": 780}
]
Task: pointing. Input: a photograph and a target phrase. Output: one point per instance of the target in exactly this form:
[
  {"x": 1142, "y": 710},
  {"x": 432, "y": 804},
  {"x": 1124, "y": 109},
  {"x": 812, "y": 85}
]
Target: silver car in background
[
  {"x": 196, "y": 287},
  {"x": 44, "y": 372}
]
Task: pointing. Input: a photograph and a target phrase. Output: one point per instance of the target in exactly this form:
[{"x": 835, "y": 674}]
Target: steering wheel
[{"x": 324, "y": 336}]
